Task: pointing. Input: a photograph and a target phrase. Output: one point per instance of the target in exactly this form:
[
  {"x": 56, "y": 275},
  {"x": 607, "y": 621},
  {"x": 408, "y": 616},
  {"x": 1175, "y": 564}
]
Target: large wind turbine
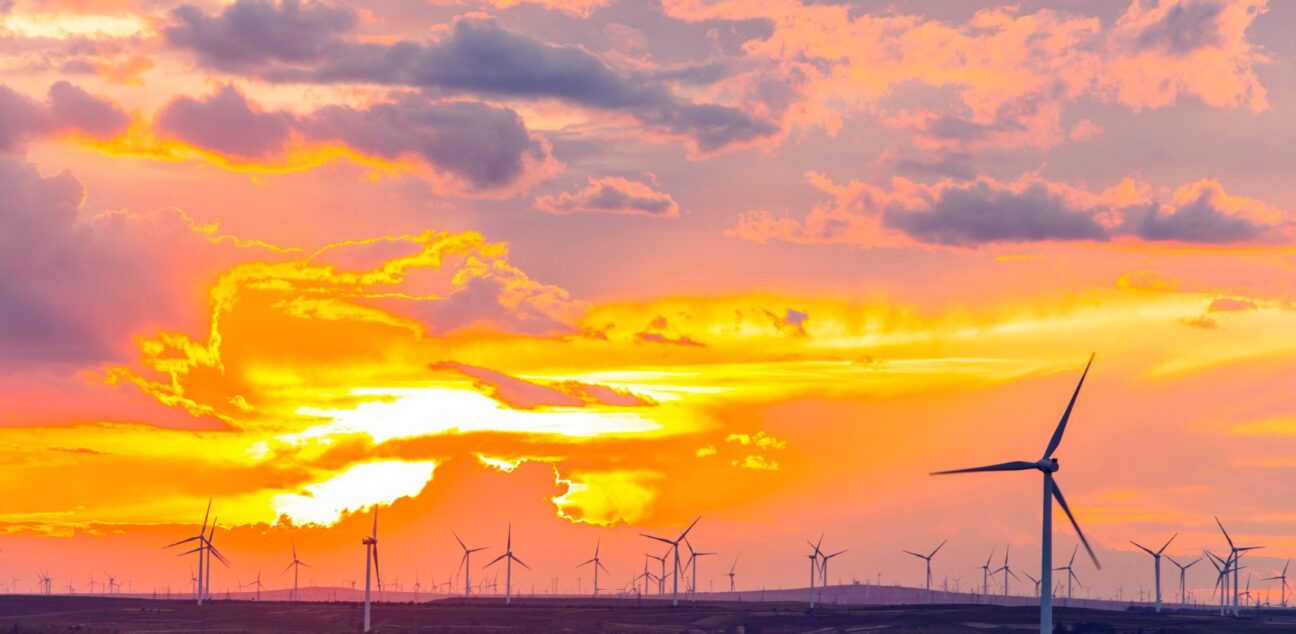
[
  {"x": 674, "y": 544},
  {"x": 204, "y": 545},
  {"x": 508, "y": 558},
  {"x": 1048, "y": 465},
  {"x": 1235, "y": 557},
  {"x": 465, "y": 563},
  {"x": 371, "y": 559},
  {"x": 598, "y": 564},
  {"x": 1283, "y": 579},
  {"x": 1183, "y": 573},
  {"x": 1156, "y": 558},
  {"x": 1221, "y": 578},
  {"x": 927, "y": 559},
  {"x": 295, "y": 565}
]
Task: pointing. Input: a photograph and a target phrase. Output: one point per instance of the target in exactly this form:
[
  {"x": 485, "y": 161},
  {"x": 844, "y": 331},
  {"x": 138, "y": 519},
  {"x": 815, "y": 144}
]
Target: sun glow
[{"x": 355, "y": 489}]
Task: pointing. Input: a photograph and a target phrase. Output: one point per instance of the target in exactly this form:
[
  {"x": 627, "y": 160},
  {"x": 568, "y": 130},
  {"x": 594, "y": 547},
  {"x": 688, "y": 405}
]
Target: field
[{"x": 112, "y": 614}]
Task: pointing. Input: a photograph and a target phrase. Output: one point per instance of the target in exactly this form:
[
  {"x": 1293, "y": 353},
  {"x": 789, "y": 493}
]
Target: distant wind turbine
[
  {"x": 204, "y": 544},
  {"x": 927, "y": 559},
  {"x": 256, "y": 583},
  {"x": 692, "y": 563},
  {"x": 1047, "y": 465},
  {"x": 735, "y": 565},
  {"x": 985, "y": 576},
  {"x": 1006, "y": 570},
  {"x": 371, "y": 559},
  {"x": 661, "y": 577},
  {"x": 1156, "y": 558},
  {"x": 508, "y": 558},
  {"x": 814, "y": 562},
  {"x": 1283, "y": 579},
  {"x": 597, "y": 563},
  {"x": 823, "y": 568},
  {"x": 465, "y": 563},
  {"x": 1235, "y": 557},
  {"x": 295, "y": 565},
  {"x": 1035, "y": 581},
  {"x": 1071, "y": 575},
  {"x": 674, "y": 544},
  {"x": 1183, "y": 570}
]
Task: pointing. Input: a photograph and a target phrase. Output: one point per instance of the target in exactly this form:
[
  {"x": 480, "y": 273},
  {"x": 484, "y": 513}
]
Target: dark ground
[{"x": 104, "y": 614}]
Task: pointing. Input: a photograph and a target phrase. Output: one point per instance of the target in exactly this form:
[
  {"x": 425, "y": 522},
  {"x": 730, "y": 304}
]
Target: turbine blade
[
  {"x": 1167, "y": 544},
  {"x": 1226, "y": 535},
  {"x": 660, "y": 539},
  {"x": 511, "y": 556},
  {"x": 1057, "y": 493},
  {"x": 1016, "y": 465},
  {"x": 1144, "y": 548},
  {"x": 690, "y": 527},
  {"x": 494, "y": 561},
  {"x": 377, "y": 571},
  {"x": 933, "y": 553},
  {"x": 1061, "y": 427},
  {"x": 189, "y": 539}
]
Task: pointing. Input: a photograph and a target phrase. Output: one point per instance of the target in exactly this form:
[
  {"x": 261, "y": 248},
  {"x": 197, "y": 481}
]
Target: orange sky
[{"x": 596, "y": 268}]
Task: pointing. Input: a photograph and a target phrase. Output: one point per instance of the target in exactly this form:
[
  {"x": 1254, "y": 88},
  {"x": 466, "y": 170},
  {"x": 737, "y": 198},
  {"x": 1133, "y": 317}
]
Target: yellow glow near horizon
[{"x": 62, "y": 26}]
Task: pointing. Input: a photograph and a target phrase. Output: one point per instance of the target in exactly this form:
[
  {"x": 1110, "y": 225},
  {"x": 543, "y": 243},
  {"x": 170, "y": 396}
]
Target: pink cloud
[{"x": 612, "y": 195}]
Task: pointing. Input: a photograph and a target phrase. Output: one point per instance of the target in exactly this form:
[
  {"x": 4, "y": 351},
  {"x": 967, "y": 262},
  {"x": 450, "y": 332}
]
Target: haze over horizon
[{"x": 598, "y": 267}]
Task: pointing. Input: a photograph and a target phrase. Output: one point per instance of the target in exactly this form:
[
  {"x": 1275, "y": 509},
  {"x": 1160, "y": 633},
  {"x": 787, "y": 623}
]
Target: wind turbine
[
  {"x": 1048, "y": 465},
  {"x": 1156, "y": 558},
  {"x": 597, "y": 564},
  {"x": 661, "y": 577},
  {"x": 204, "y": 544},
  {"x": 295, "y": 565},
  {"x": 1221, "y": 578},
  {"x": 508, "y": 558},
  {"x": 46, "y": 582},
  {"x": 927, "y": 559},
  {"x": 735, "y": 565},
  {"x": 371, "y": 559},
  {"x": 1283, "y": 579},
  {"x": 814, "y": 561},
  {"x": 1071, "y": 575},
  {"x": 647, "y": 576},
  {"x": 1035, "y": 581},
  {"x": 674, "y": 544},
  {"x": 465, "y": 563},
  {"x": 823, "y": 568},
  {"x": 256, "y": 583},
  {"x": 692, "y": 563},
  {"x": 985, "y": 576},
  {"x": 1183, "y": 570},
  {"x": 1235, "y": 556},
  {"x": 1006, "y": 570}
]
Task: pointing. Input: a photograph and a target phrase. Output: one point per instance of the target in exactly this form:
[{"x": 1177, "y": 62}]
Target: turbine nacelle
[{"x": 1047, "y": 465}]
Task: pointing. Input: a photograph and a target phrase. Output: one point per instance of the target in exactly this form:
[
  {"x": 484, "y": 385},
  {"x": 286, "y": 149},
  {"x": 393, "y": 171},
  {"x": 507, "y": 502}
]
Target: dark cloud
[
  {"x": 522, "y": 394},
  {"x": 657, "y": 337},
  {"x": 249, "y": 33},
  {"x": 225, "y": 122},
  {"x": 1186, "y": 27},
  {"x": 290, "y": 41},
  {"x": 68, "y": 108},
  {"x": 1230, "y": 305},
  {"x": 612, "y": 195},
  {"x": 981, "y": 213},
  {"x": 485, "y": 145},
  {"x": 1200, "y": 221}
]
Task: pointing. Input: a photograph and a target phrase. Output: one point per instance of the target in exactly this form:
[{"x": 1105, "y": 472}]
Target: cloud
[
  {"x": 612, "y": 195},
  {"x": 227, "y": 123},
  {"x": 68, "y": 108},
  {"x": 1230, "y": 305},
  {"x": 248, "y": 33},
  {"x": 471, "y": 145},
  {"x": 72, "y": 282},
  {"x": 522, "y": 394},
  {"x": 289, "y": 41},
  {"x": 968, "y": 214}
]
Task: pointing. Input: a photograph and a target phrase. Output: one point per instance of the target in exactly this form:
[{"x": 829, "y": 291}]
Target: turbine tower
[
  {"x": 1283, "y": 579},
  {"x": 598, "y": 564},
  {"x": 1183, "y": 570},
  {"x": 927, "y": 559},
  {"x": 508, "y": 558},
  {"x": 674, "y": 544},
  {"x": 371, "y": 559},
  {"x": 1047, "y": 465},
  {"x": 1156, "y": 558},
  {"x": 465, "y": 563},
  {"x": 295, "y": 565}
]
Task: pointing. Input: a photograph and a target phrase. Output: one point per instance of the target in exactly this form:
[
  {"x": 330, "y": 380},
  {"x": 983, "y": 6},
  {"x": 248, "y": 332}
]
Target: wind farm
[{"x": 804, "y": 316}]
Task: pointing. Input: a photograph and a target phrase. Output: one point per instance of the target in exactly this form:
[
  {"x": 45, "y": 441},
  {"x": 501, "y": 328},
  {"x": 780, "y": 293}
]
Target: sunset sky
[{"x": 597, "y": 267}]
